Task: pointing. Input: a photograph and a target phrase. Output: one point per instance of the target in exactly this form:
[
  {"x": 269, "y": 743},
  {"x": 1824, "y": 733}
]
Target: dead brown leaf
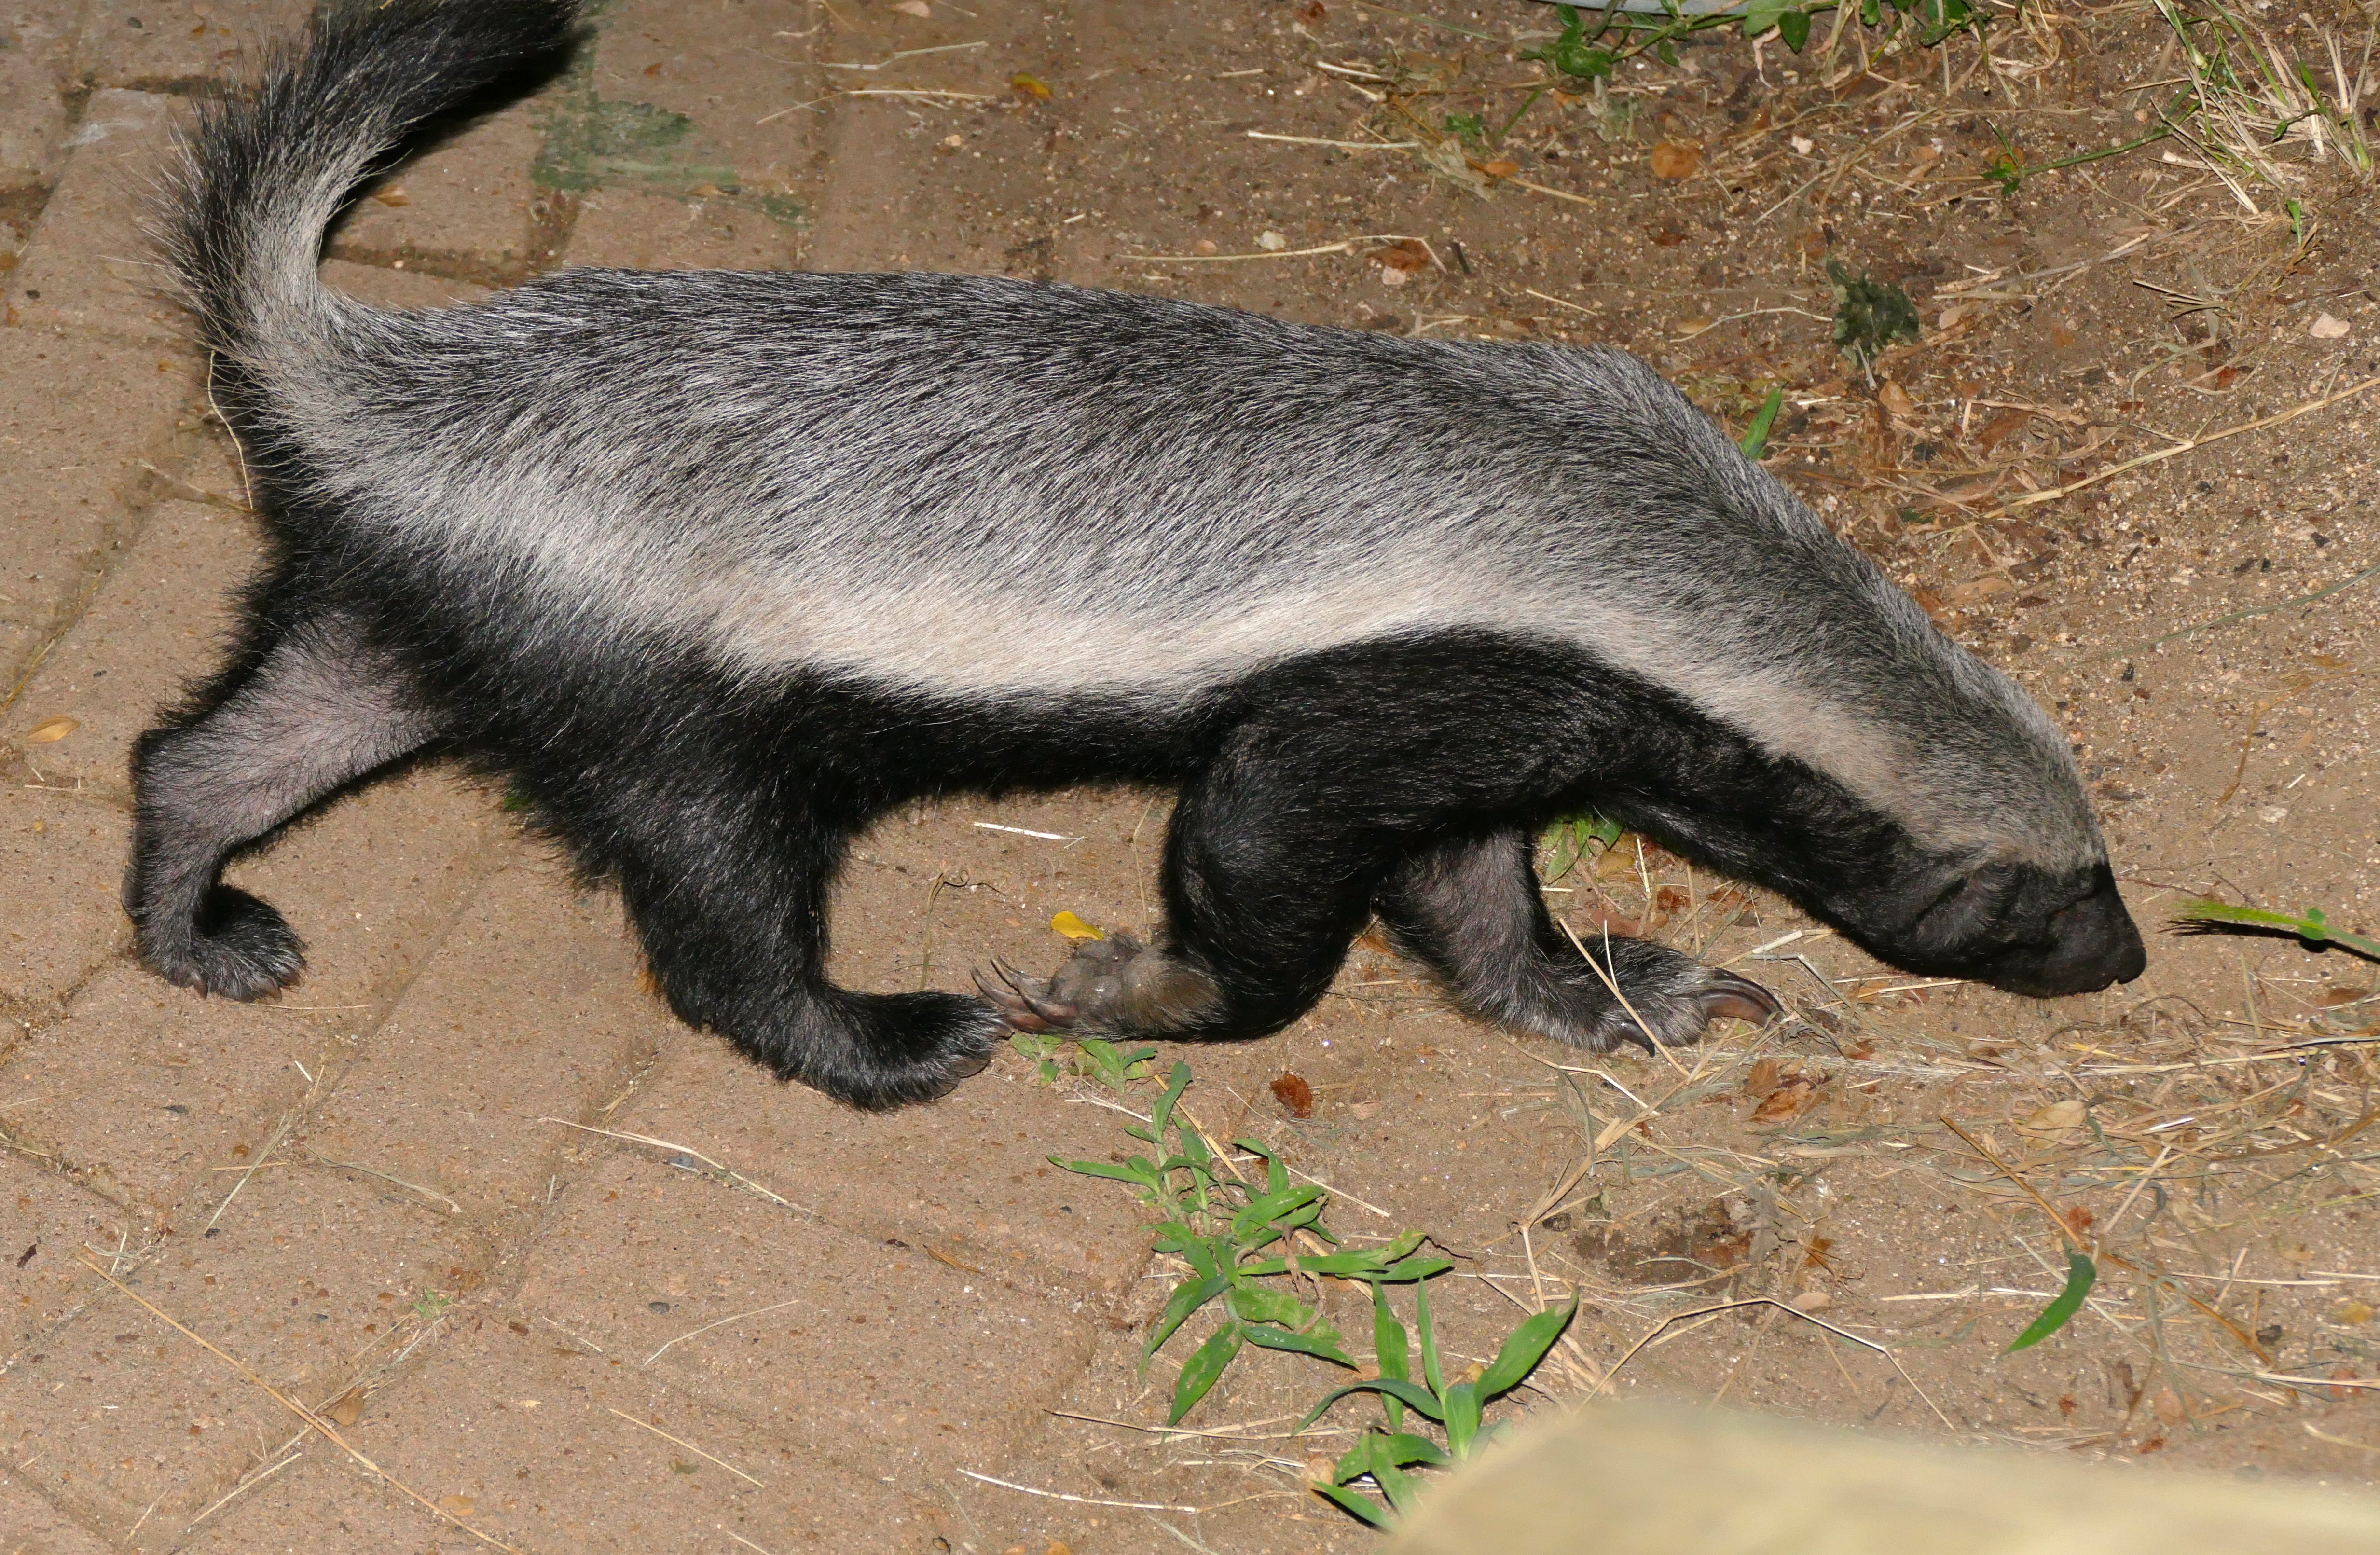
[
  {"x": 1677, "y": 159},
  {"x": 2002, "y": 427},
  {"x": 1295, "y": 1095},
  {"x": 1786, "y": 1102}
]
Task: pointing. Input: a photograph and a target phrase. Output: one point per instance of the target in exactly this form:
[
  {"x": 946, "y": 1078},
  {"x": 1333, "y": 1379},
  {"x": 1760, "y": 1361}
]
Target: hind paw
[
  {"x": 237, "y": 946},
  {"x": 1115, "y": 985}
]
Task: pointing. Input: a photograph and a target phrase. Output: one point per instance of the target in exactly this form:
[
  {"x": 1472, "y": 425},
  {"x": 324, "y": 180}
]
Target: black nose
[{"x": 2093, "y": 942}]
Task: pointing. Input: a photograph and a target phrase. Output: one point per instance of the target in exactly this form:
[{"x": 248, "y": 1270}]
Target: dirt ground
[{"x": 574, "y": 1278}]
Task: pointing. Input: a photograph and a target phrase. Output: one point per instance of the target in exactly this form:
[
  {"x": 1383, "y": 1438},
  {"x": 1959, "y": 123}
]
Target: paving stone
[
  {"x": 310, "y": 1280},
  {"x": 372, "y": 886},
  {"x": 78, "y": 419},
  {"x": 462, "y": 206},
  {"x": 520, "y": 1430},
  {"x": 46, "y": 1224},
  {"x": 667, "y": 107},
  {"x": 133, "y": 42},
  {"x": 644, "y": 1254},
  {"x": 532, "y": 1008},
  {"x": 143, "y": 1087},
  {"x": 35, "y": 61},
  {"x": 653, "y": 231},
  {"x": 32, "y": 1526},
  {"x": 968, "y": 1176},
  {"x": 60, "y": 856},
  {"x": 158, "y": 623},
  {"x": 87, "y": 266}
]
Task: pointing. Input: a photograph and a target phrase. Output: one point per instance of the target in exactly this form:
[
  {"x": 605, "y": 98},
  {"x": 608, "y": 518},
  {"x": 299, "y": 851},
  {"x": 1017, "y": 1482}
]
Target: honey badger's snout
[{"x": 2025, "y": 928}]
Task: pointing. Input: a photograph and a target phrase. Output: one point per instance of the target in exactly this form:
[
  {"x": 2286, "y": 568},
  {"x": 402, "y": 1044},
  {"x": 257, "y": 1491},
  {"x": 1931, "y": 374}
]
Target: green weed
[
  {"x": 1869, "y": 316},
  {"x": 1384, "y": 1453},
  {"x": 1566, "y": 843},
  {"x": 1591, "y": 51},
  {"x": 2312, "y": 925},
  {"x": 1241, "y": 1243},
  {"x": 1236, "y": 1237}
]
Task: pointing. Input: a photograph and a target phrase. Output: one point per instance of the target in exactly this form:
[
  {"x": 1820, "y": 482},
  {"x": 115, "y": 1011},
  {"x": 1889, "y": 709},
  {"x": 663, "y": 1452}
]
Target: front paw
[{"x": 1664, "y": 998}]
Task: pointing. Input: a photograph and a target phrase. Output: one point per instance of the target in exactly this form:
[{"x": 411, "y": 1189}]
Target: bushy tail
[{"x": 263, "y": 172}]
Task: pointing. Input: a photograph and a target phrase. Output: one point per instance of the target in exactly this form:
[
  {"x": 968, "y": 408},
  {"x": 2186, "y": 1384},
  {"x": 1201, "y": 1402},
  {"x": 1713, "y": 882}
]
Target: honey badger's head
[
  {"x": 1912, "y": 796},
  {"x": 2004, "y": 877}
]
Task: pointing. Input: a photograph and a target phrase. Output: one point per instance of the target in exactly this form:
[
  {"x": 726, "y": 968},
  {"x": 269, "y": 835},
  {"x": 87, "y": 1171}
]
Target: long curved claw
[
  {"x": 1734, "y": 998},
  {"x": 1023, "y": 1001}
]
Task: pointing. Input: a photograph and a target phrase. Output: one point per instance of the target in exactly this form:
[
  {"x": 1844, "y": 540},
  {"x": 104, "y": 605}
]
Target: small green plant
[
  {"x": 1755, "y": 436},
  {"x": 1103, "y": 1062},
  {"x": 1383, "y": 1453},
  {"x": 429, "y": 1304},
  {"x": 2310, "y": 926},
  {"x": 1237, "y": 1237},
  {"x": 2010, "y": 170},
  {"x": 1590, "y": 50},
  {"x": 1240, "y": 1241},
  {"x": 1566, "y": 843},
  {"x": 1869, "y": 316},
  {"x": 2081, "y": 1275}
]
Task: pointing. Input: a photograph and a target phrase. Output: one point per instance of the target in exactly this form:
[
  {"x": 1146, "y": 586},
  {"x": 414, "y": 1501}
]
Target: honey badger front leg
[
  {"x": 1471, "y": 910},
  {"x": 1279, "y": 854}
]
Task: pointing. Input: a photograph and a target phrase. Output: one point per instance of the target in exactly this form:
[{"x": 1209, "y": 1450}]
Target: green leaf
[
  {"x": 1350, "y": 1500},
  {"x": 1262, "y": 1212},
  {"x": 1388, "y": 1341},
  {"x": 1412, "y": 1395},
  {"x": 1203, "y": 1370},
  {"x": 1402, "y": 1450},
  {"x": 1161, "y": 1114},
  {"x": 1667, "y": 52},
  {"x": 1389, "y": 1353},
  {"x": 1755, "y": 436},
  {"x": 1429, "y": 1367},
  {"x": 2313, "y": 926},
  {"x": 1256, "y": 1305},
  {"x": 1137, "y": 1171},
  {"x": 1869, "y": 12},
  {"x": 1187, "y": 1297},
  {"x": 1462, "y": 1417},
  {"x": 1322, "y": 1344},
  {"x": 1527, "y": 1346},
  {"x": 1276, "y": 1174},
  {"x": 1794, "y": 27},
  {"x": 2081, "y": 1275},
  {"x": 1759, "y": 15},
  {"x": 1393, "y": 1482}
]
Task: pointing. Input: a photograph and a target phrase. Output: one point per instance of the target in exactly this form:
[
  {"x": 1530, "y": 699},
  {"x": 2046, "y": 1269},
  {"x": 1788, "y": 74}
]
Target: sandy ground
[{"x": 744, "y": 1319}]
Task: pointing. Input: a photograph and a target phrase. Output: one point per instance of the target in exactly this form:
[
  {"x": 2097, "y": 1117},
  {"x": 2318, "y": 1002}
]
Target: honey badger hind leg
[
  {"x": 297, "y": 719},
  {"x": 1470, "y": 909}
]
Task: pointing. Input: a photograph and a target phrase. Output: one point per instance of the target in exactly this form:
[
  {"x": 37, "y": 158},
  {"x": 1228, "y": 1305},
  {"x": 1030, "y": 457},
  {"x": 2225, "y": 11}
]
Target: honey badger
[{"x": 714, "y": 568}]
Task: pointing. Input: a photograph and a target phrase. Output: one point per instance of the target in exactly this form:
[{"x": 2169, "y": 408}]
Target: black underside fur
[{"x": 723, "y": 811}]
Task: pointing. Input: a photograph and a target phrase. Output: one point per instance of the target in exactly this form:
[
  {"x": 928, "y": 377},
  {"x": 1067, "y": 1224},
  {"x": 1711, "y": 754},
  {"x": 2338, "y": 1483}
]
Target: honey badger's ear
[{"x": 1970, "y": 908}]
